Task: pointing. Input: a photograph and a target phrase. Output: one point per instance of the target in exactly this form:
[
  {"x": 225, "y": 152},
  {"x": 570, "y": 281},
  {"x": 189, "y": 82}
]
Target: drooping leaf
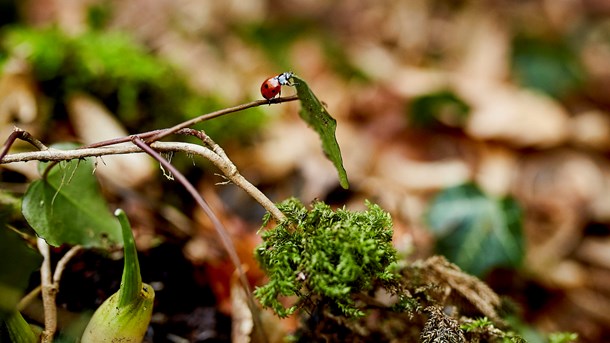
[
  {"x": 476, "y": 231},
  {"x": 315, "y": 115},
  {"x": 68, "y": 208}
]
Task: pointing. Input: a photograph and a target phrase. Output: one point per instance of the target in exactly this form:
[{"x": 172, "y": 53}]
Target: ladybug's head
[{"x": 284, "y": 78}]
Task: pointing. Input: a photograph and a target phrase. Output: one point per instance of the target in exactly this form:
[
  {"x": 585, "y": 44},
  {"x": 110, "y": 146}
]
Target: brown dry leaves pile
[{"x": 551, "y": 154}]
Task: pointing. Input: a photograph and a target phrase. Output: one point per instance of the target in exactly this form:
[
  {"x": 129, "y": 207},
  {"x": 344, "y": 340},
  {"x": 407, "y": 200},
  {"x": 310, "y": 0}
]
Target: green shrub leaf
[
  {"x": 475, "y": 231},
  {"x": 68, "y": 208},
  {"x": 315, "y": 115}
]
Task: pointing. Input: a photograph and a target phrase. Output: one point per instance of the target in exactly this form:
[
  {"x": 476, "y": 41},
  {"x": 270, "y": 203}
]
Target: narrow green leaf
[
  {"x": 131, "y": 282},
  {"x": 475, "y": 231},
  {"x": 125, "y": 315},
  {"x": 315, "y": 115},
  {"x": 68, "y": 208},
  {"x": 19, "y": 331}
]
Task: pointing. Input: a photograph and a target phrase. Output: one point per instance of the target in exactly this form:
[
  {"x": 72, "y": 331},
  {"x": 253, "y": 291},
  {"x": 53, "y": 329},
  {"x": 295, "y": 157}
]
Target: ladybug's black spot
[{"x": 266, "y": 85}]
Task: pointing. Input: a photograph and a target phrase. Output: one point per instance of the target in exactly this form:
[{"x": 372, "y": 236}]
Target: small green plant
[
  {"x": 124, "y": 317},
  {"x": 326, "y": 258},
  {"x": 484, "y": 330}
]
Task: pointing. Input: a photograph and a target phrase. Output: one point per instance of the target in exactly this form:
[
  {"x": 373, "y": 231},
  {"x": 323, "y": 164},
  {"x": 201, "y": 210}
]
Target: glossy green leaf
[
  {"x": 68, "y": 208},
  {"x": 475, "y": 231},
  {"x": 315, "y": 115}
]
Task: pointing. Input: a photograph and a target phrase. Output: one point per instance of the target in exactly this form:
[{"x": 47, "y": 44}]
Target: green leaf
[
  {"x": 68, "y": 208},
  {"x": 475, "y": 231},
  {"x": 443, "y": 107},
  {"x": 17, "y": 262},
  {"x": 131, "y": 282},
  {"x": 552, "y": 67},
  {"x": 18, "y": 330},
  {"x": 315, "y": 115}
]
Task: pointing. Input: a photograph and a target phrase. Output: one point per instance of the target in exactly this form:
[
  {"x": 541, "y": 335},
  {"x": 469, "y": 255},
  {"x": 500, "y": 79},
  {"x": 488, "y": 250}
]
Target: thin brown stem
[
  {"x": 23, "y": 135},
  {"x": 222, "y": 163},
  {"x": 218, "y": 226},
  {"x": 215, "y": 114},
  {"x": 155, "y": 135},
  {"x": 63, "y": 262}
]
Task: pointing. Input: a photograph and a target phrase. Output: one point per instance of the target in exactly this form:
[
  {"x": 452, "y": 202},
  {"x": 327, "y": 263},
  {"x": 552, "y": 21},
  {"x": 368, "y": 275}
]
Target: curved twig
[
  {"x": 227, "y": 167},
  {"x": 225, "y": 238}
]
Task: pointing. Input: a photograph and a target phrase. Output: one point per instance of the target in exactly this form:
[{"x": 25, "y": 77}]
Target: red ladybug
[{"x": 272, "y": 87}]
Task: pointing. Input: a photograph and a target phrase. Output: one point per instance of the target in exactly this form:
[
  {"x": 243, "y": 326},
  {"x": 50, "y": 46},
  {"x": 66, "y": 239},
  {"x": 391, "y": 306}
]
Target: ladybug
[{"x": 272, "y": 87}]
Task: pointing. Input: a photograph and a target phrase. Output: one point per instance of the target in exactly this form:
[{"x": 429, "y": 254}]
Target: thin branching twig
[
  {"x": 49, "y": 287},
  {"x": 155, "y": 135},
  {"x": 222, "y": 163},
  {"x": 24, "y": 136},
  {"x": 218, "y": 226}
]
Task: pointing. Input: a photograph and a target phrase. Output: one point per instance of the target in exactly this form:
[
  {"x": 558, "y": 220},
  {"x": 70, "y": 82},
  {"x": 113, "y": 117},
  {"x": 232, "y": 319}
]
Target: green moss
[{"x": 326, "y": 258}]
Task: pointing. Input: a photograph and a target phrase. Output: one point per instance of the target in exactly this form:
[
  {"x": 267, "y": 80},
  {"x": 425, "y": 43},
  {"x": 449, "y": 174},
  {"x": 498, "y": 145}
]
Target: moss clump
[{"x": 326, "y": 258}]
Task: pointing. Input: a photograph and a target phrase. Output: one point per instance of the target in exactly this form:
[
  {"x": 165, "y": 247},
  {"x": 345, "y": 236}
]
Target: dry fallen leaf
[
  {"x": 520, "y": 117},
  {"x": 591, "y": 129},
  {"x": 93, "y": 123}
]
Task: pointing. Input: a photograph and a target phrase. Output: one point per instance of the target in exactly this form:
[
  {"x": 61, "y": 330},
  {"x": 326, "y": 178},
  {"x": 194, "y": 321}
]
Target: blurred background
[{"x": 484, "y": 111}]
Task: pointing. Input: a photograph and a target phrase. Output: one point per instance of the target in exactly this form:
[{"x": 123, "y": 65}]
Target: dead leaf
[
  {"x": 93, "y": 123},
  {"x": 591, "y": 129},
  {"x": 520, "y": 117}
]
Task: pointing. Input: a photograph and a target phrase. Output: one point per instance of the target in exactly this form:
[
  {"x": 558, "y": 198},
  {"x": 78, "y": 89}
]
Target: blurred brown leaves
[{"x": 550, "y": 152}]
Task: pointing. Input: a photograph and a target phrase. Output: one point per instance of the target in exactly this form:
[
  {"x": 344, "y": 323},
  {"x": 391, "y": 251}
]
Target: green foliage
[
  {"x": 67, "y": 207},
  {"x": 14, "y": 276},
  {"x": 483, "y": 330},
  {"x": 563, "y": 337},
  {"x": 315, "y": 115},
  {"x": 144, "y": 91},
  {"x": 476, "y": 231},
  {"x": 15, "y": 329},
  {"x": 325, "y": 257},
  {"x": 551, "y": 67},
  {"x": 477, "y": 324},
  {"x": 436, "y": 108}
]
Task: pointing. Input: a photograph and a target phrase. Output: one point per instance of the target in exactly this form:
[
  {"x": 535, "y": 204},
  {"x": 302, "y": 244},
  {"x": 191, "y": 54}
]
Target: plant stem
[
  {"x": 218, "y": 226},
  {"x": 23, "y": 135},
  {"x": 215, "y": 114},
  {"x": 48, "y": 294},
  {"x": 155, "y": 135},
  {"x": 224, "y": 164}
]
